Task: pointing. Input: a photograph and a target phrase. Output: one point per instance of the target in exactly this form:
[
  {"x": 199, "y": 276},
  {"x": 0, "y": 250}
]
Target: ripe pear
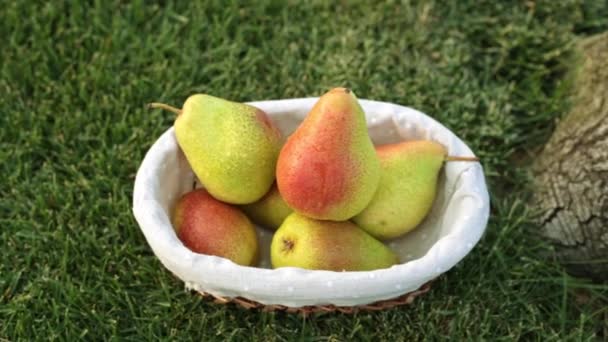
[
  {"x": 327, "y": 245},
  {"x": 208, "y": 226},
  {"x": 232, "y": 147},
  {"x": 270, "y": 211},
  {"x": 407, "y": 188},
  {"x": 328, "y": 168}
]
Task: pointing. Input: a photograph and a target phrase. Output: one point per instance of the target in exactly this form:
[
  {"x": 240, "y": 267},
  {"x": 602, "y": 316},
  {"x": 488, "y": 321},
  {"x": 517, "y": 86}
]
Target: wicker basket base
[{"x": 407, "y": 298}]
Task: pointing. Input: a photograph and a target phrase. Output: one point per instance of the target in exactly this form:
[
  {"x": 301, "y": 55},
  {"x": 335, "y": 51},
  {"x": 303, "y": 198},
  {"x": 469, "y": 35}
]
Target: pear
[
  {"x": 270, "y": 211},
  {"x": 327, "y": 245},
  {"x": 407, "y": 188},
  {"x": 328, "y": 168},
  {"x": 232, "y": 147},
  {"x": 208, "y": 226}
]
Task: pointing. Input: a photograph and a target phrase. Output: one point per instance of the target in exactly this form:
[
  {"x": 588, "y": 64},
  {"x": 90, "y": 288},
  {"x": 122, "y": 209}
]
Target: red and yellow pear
[
  {"x": 328, "y": 168},
  {"x": 208, "y": 226}
]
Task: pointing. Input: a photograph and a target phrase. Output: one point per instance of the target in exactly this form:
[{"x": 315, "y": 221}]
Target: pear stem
[
  {"x": 463, "y": 159},
  {"x": 165, "y": 107}
]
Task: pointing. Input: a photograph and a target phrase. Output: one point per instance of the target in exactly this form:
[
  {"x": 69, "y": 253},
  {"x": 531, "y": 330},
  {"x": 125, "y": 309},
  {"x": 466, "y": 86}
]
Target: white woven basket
[{"x": 455, "y": 224}]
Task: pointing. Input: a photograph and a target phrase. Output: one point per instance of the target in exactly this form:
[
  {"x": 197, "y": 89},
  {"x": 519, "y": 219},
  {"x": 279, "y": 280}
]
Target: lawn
[{"x": 74, "y": 79}]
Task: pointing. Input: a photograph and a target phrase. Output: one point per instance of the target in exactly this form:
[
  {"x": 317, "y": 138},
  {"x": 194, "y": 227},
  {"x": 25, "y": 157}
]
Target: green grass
[{"x": 74, "y": 79}]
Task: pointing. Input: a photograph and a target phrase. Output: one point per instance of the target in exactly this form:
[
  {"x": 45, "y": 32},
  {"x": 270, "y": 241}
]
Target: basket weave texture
[{"x": 249, "y": 304}]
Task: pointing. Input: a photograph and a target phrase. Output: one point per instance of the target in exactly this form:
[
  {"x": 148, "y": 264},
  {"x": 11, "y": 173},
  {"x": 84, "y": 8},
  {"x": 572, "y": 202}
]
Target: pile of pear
[{"x": 330, "y": 196}]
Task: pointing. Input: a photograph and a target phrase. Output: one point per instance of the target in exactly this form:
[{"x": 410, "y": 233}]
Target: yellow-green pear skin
[
  {"x": 232, "y": 147},
  {"x": 327, "y": 245},
  {"x": 270, "y": 211},
  {"x": 407, "y": 189}
]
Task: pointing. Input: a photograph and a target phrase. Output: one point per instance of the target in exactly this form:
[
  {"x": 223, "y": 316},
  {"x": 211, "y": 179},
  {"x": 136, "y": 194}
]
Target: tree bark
[{"x": 571, "y": 174}]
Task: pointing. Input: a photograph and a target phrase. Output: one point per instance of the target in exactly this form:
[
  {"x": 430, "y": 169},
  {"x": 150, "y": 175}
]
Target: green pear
[
  {"x": 407, "y": 188},
  {"x": 208, "y": 226},
  {"x": 328, "y": 168},
  {"x": 327, "y": 245},
  {"x": 270, "y": 211},
  {"x": 232, "y": 147}
]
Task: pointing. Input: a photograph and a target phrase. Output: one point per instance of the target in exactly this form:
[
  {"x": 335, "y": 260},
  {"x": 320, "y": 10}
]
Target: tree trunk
[{"x": 571, "y": 174}]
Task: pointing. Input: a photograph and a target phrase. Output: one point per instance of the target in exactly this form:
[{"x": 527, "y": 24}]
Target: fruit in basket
[
  {"x": 232, "y": 147},
  {"x": 270, "y": 211},
  {"x": 208, "y": 226},
  {"x": 327, "y": 245},
  {"x": 328, "y": 168},
  {"x": 407, "y": 187}
]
